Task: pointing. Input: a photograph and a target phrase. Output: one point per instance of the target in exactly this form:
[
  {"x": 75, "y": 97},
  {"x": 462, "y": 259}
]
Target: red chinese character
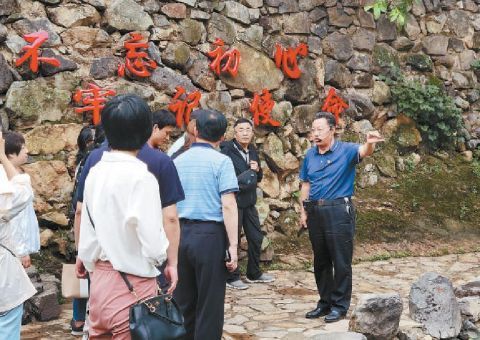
[
  {"x": 287, "y": 59},
  {"x": 224, "y": 61},
  {"x": 261, "y": 108},
  {"x": 31, "y": 51},
  {"x": 334, "y": 104},
  {"x": 93, "y": 99},
  {"x": 183, "y": 108},
  {"x": 137, "y": 62}
]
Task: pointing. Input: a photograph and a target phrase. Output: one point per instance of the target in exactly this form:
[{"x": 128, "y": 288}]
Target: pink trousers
[{"x": 110, "y": 301}]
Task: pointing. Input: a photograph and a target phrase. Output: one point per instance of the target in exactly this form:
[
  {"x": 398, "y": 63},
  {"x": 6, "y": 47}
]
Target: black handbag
[
  {"x": 247, "y": 180},
  {"x": 155, "y": 318}
]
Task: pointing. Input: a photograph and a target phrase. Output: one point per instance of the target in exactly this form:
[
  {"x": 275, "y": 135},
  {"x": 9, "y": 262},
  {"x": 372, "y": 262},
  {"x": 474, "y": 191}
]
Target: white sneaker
[
  {"x": 264, "y": 278},
  {"x": 238, "y": 284}
]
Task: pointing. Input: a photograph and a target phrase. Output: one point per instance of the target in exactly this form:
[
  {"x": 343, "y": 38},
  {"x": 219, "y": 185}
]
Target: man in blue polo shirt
[
  {"x": 209, "y": 226},
  {"x": 171, "y": 192},
  {"x": 327, "y": 178}
]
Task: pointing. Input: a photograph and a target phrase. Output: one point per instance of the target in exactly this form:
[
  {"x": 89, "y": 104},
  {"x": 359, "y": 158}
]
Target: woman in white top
[
  {"x": 121, "y": 228},
  {"x": 15, "y": 286}
]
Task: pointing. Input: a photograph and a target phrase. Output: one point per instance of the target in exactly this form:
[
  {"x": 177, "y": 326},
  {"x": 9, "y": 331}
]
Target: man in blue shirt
[
  {"x": 171, "y": 192},
  {"x": 209, "y": 226},
  {"x": 327, "y": 179}
]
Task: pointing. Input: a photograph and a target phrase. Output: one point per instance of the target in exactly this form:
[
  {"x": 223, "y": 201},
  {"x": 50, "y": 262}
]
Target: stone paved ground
[{"x": 276, "y": 311}]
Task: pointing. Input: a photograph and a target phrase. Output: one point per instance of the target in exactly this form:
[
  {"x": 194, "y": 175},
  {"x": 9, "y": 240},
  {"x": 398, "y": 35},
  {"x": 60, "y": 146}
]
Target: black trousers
[
  {"x": 331, "y": 230},
  {"x": 202, "y": 275},
  {"x": 248, "y": 218}
]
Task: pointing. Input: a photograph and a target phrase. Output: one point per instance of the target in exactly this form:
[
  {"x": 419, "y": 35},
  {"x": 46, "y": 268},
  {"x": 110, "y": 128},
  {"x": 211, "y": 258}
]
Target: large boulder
[
  {"x": 51, "y": 139},
  {"x": 338, "y": 46},
  {"x": 6, "y": 76},
  {"x": 166, "y": 79},
  {"x": 26, "y": 26},
  {"x": 200, "y": 73},
  {"x": 127, "y": 15},
  {"x": 35, "y": 101},
  {"x": 71, "y": 15},
  {"x": 377, "y": 316},
  {"x": 221, "y": 27},
  {"x": 359, "y": 106},
  {"x": 470, "y": 307},
  {"x": 435, "y": 44},
  {"x": 303, "y": 116},
  {"x": 192, "y": 31},
  {"x": 256, "y": 71},
  {"x": 432, "y": 302},
  {"x": 304, "y": 89},
  {"x": 237, "y": 12},
  {"x": 468, "y": 289},
  {"x": 274, "y": 152},
  {"x": 337, "y": 75}
]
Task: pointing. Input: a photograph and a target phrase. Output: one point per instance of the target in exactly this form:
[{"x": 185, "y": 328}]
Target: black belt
[
  {"x": 189, "y": 221},
  {"x": 322, "y": 202}
]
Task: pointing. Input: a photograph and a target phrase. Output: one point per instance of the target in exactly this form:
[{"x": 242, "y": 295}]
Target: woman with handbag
[
  {"x": 121, "y": 237},
  {"x": 15, "y": 286}
]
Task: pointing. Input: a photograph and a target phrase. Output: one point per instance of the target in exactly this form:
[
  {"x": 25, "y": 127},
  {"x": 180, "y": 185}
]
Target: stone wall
[{"x": 347, "y": 50}]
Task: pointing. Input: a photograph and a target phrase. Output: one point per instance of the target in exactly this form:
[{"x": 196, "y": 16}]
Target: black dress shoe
[
  {"x": 318, "y": 312},
  {"x": 334, "y": 316}
]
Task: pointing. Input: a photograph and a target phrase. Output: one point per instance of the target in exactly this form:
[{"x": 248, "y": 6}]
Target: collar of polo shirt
[{"x": 332, "y": 147}]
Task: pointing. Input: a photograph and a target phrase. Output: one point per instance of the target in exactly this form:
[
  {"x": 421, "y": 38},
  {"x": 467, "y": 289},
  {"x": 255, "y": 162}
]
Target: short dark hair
[
  {"x": 332, "y": 122},
  {"x": 99, "y": 134},
  {"x": 241, "y": 121},
  {"x": 127, "y": 121},
  {"x": 163, "y": 118},
  {"x": 84, "y": 137},
  {"x": 211, "y": 125},
  {"x": 13, "y": 142}
]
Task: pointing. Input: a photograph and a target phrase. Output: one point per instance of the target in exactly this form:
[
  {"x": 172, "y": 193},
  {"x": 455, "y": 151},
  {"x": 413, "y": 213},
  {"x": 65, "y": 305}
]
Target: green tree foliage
[
  {"x": 438, "y": 119},
  {"x": 396, "y": 10}
]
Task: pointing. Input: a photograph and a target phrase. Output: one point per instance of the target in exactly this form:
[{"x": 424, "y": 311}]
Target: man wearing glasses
[{"x": 327, "y": 183}]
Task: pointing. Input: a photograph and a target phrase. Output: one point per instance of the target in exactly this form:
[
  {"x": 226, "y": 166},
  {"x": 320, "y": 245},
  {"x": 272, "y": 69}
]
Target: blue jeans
[
  {"x": 79, "y": 309},
  {"x": 11, "y": 323}
]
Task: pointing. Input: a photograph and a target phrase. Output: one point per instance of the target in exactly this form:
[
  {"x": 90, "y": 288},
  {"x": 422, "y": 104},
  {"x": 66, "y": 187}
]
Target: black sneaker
[{"x": 76, "y": 330}]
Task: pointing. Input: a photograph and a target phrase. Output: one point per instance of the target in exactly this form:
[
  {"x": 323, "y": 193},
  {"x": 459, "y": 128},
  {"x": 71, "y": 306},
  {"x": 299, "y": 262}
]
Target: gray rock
[
  {"x": 36, "y": 101},
  {"x": 362, "y": 126},
  {"x": 192, "y": 31},
  {"x": 253, "y": 36},
  {"x": 256, "y": 71},
  {"x": 166, "y": 79},
  {"x": 338, "y": 46},
  {"x": 468, "y": 289},
  {"x": 360, "y": 62},
  {"x": 199, "y": 15},
  {"x": 104, "y": 67},
  {"x": 271, "y": 24},
  {"x": 71, "y": 15},
  {"x": 304, "y": 89},
  {"x": 462, "y": 80},
  {"x": 177, "y": 55},
  {"x": 435, "y": 44},
  {"x": 200, "y": 73},
  {"x": 174, "y": 10},
  {"x": 98, "y": 4},
  {"x": 470, "y": 307},
  {"x": 154, "y": 53},
  {"x": 151, "y": 6},
  {"x": 320, "y": 29},
  {"x": 317, "y": 14},
  {"x": 308, "y": 5},
  {"x": 190, "y": 3},
  {"x": 432, "y": 302},
  {"x": 237, "y": 12},
  {"x": 44, "y": 306},
  {"x": 303, "y": 116},
  {"x": 49, "y": 70},
  {"x": 359, "y": 106},
  {"x": 384, "y": 58},
  {"x": 363, "y": 40},
  {"x": 403, "y": 44},
  {"x": 8, "y": 7},
  {"x": 254, "y": 3},
  {"x": 221, "y": 27},
  {"x": 420, "y": 62},
  {"x": 6, "y": 76},
  {"x": 337, "y": 74},
  {"x": 386, "y": 166},
  {"x": 339, "y": 336},
  {"x": 362, "y": 80},
  {"x": 465, "y": 59},
  {"x": 337, "y": 17},
  {"x": 284, "y": 6},
  {"x": 386, "y": 30},
  {"x": 377, "y": 315},
  {"x": 127, "y": 15},
  {"x": 366, "y": 19},
  {"x": 296, "y": 23},
  {"x": 411, "y": 28},
  {"x": 459, "y": 23},
  {"x": 3, "y": 33},
  {"x": 381, "y": 93},
  {"x": 26, "y": 26}
]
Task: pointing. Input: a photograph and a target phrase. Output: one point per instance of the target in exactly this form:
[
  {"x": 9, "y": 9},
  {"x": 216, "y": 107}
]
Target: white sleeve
[
  {"x": 145, "y": 213},
  {"x": 15, "y": 195}
]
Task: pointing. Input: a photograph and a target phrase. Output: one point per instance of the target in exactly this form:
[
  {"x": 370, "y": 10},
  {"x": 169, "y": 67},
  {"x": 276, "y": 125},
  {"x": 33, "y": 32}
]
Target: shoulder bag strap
[
  {"x": 11, "y": 252},
  {"x": 122, "y": 274}
]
